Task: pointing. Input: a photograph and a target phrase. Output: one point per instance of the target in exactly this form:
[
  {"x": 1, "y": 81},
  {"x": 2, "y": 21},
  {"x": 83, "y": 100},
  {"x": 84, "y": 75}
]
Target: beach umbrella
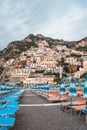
[
  {"x": 82, "y": 84},
  {"x": 62, "y": 91},
  {"x": 77, "y": 84},
  {"x": 86, "y": 80},
  {"x": 62, "y": 88},
  {"x": 72, "y": 89},
  {"x": 85, "y": 88}
]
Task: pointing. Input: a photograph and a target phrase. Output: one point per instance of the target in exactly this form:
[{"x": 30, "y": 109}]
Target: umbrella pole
[
  {"x": 86, "y": 117},
  {"x": 71, "y": 99}
]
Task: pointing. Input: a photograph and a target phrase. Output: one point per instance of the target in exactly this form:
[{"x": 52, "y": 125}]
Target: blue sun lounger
[
  {"x": 6, "y": 122},
  {"x": 12, "y": 105},
  {"x": 8, "y": 111},
  {"x": 15, "y": 103},
  {"x": 2, "y": 106},
  {"x": 9, "y": 105}
]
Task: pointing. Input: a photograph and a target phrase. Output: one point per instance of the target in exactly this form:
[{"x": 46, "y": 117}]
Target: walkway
[{"x": 36, "y": 113}]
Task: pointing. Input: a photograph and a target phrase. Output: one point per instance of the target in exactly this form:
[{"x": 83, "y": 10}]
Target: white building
[{"x": 71, "y": 61}]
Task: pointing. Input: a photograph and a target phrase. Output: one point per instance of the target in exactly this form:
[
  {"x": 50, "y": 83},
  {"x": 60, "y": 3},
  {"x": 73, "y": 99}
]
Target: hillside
[
  {"x": 16, "y": 47},
  {"x": 81, "y": 45}
]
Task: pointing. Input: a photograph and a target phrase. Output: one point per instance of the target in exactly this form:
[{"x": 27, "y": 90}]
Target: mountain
[
  {"x": 81, "y": 45},
  {"x": 39, "y": 37},
  {"x": 14, "y": 48}
]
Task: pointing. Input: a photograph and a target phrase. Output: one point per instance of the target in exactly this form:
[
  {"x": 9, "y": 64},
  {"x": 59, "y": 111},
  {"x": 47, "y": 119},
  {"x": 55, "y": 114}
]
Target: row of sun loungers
[
  {"x": 75, "y": 103},
  {"x": 77, "y": 107},
  {"x": 8, "y": 108}
]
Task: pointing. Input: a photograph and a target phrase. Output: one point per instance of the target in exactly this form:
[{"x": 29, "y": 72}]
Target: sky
[{"x": 59, "y": 19}]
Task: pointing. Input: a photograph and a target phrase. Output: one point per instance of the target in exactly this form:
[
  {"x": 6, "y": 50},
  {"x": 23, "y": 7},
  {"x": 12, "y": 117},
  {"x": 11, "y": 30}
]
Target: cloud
[
  {"x": 58, "y": 19},
  {"x": 68, "y": 25}
]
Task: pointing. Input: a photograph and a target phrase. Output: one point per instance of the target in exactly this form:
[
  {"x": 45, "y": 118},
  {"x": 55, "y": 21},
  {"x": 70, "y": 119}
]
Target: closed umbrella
[
  {"x": 85, "y": 88},
  {"x": 62, "y": 88},
  {"x": 72, "y": 89}
]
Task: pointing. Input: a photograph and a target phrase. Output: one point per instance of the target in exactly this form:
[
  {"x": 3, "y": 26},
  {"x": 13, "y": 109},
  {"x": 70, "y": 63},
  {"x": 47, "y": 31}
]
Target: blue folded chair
[
  {"x": 2, "y": 106},
  {"x": 10, "y": 98},
  {"x": 8, "y": 111},
  {"x": 12, "y": 103},
  {"x": 6, "y": 122}
]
